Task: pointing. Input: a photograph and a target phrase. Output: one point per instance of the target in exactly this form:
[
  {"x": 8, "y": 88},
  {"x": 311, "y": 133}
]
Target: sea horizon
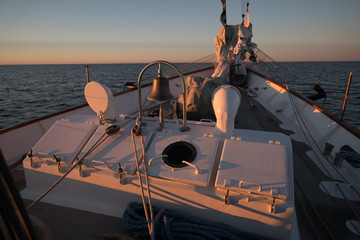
[
  {"x": 32, "y": 91},
  {"x": 50, "y": 64}
]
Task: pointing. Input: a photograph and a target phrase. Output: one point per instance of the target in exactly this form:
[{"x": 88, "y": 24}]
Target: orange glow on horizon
[{"x": 85, "y": 55}]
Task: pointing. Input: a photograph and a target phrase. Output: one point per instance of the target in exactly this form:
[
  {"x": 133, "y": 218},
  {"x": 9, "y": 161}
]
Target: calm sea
[{"x": 31, "y": 91}]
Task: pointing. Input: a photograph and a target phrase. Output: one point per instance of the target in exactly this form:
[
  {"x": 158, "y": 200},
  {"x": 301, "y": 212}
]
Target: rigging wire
[
  {"x": 149, "y": 220},
  {"x": 109, "y": 131},
  {"x": 306, "y": 131},
  {"x": 317, "y": 214},
  {"x": 270, "y": 67},
  {"x": 271, "y": 64},
  {"x": 308, "y": 136},
  {"x": 302, "y": 126},
  {"x": 325, "y": 189}
]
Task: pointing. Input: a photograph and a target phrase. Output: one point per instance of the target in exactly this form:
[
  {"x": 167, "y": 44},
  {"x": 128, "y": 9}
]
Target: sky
[{"x": 120, "y": 31}]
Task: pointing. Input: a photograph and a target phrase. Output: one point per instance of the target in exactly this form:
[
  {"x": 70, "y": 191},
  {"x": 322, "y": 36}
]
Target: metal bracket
[
  {"x": 154, "y": 158},
  {"x": 120, "y": 170},
  {"x": 250, "y": 193},
  {"x": 248, "y": 197},
  {"x": 80, "y": 170},
  {"x": 30, "y": 155},
  {"x": 56, "y": 160},
  {"x": 250, "y": 183},
  {"x": 197, "y": 171},
  {"x": 32, "y": 163},
  {"x": 272, "y": 207},
  {"x": 227, "y": 195}
]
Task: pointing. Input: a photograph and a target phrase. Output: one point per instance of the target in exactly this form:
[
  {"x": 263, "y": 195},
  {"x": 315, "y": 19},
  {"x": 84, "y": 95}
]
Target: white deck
[
  {"x": 98, "y": 189},
  {"x": 320, "y": 214}
]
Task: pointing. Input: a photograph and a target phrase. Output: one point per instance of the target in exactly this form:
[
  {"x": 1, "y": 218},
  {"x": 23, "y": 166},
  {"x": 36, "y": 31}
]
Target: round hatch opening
[{"x": 178, "y": 152}]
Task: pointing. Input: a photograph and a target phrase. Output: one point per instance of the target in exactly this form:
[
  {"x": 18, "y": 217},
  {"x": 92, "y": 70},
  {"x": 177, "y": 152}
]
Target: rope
[
  {"x": 149, "y": 221},
  {"x": 302, "y": 125},
  {"x": 172, "y": 225},
  {"x": 305, "y": 131},
  {"x": 274, "y": 67},
  {"x": 298, "y": 116}
]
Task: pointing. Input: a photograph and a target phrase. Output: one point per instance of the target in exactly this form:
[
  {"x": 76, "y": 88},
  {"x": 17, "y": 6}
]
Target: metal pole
[
  {"x": 346, "y": 97},
  {"x": 87, "y": 74}
]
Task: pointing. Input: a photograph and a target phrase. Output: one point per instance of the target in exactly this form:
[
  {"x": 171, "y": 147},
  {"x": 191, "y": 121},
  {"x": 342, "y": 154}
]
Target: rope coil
[{"x": 172, "y": 225}]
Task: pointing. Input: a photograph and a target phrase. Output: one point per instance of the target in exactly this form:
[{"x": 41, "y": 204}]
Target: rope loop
[{"x": 112, "y": 130}]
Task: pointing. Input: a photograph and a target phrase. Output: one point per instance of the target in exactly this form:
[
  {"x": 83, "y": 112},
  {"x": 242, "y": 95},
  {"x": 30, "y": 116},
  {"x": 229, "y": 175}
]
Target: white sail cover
[{"x": 232, "y": 41}]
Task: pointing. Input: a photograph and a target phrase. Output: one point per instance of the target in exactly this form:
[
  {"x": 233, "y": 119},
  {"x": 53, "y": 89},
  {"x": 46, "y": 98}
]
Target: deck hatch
[
  {"x": 177, "y": 152},
  {"x": 201, "y": 152},
  {"x": 248, "y": 165}
]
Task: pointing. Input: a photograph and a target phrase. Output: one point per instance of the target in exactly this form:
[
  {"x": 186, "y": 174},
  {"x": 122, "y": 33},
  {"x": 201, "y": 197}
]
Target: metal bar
[
  {"x": 346, "y": 97},
  {"x": 12, "y": 209},
  {"x": 87, "y": 73},
  {"x": 250, "y": 183}
]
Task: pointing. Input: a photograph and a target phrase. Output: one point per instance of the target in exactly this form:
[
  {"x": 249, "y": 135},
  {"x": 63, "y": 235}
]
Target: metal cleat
[
  {"x": 272, "y": 206},
  {"x": 227, "y": 196},
  {"x": 80, "y": 169},
  {"x": 30, "y": 155},
  {"x": 121, "y": 177}
]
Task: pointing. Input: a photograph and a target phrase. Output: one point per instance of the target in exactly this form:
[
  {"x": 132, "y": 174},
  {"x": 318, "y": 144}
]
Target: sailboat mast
[{"x": 223, "y": 14}]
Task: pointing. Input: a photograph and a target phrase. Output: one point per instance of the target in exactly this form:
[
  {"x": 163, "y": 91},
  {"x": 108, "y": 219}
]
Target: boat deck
[
  {"x": 320, "y": 216},
  {"x": 69, "y": 223}
]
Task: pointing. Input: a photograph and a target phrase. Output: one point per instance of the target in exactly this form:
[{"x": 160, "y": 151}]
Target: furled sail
[
  {"x": 232, "y": 40},
  {"x": 232, "y": 43}
]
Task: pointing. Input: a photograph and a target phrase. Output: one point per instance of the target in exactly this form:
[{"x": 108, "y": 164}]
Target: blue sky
[{"x": 119, "y": 31}]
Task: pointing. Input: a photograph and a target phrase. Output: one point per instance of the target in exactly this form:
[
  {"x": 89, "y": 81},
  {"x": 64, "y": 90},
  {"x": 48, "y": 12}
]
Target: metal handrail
[{"x": 182, "y": 129}]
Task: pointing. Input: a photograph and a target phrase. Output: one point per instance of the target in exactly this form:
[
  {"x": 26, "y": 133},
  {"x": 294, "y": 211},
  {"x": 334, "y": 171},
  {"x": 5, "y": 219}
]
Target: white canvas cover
[
  {"x": 232, "y": 43},
  {"x": 198, "y": 97}
]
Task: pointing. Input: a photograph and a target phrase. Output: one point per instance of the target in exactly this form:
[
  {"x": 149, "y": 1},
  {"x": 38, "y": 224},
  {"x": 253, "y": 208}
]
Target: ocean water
[
  {"x": 333, "y": 78},
  {"x": 31, "y": 91}
]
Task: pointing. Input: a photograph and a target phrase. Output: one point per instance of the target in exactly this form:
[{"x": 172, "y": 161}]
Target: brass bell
[{"x": 160, "y": 90}]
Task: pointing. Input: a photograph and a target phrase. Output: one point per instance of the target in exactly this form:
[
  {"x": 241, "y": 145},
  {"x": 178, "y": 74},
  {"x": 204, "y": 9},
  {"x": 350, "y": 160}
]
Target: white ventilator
[
  {"x": 101, "y": 100},
  {"x": 225, "y": 101}
]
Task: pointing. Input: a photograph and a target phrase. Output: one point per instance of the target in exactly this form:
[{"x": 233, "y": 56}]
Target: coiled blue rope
[{"x": 173, "y": 226}]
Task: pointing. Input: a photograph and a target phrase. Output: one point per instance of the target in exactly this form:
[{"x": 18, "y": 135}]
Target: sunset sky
[{"x": 119, "y": 31}]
